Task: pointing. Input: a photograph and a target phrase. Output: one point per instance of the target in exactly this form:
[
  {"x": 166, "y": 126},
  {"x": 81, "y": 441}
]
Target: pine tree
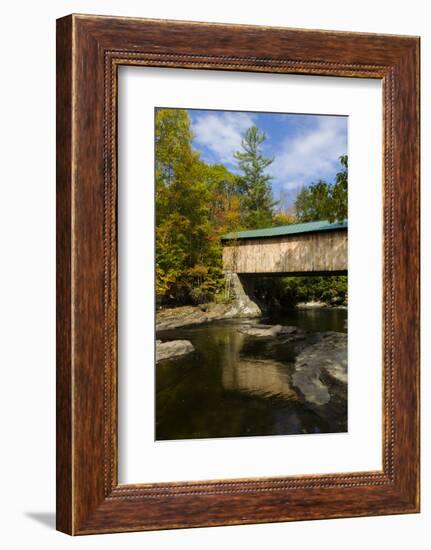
[{"x": 257, "y": 202}]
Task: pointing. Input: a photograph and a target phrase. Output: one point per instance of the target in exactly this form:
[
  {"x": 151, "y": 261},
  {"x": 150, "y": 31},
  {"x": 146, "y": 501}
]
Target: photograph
[{"x": 251, "y": 273}]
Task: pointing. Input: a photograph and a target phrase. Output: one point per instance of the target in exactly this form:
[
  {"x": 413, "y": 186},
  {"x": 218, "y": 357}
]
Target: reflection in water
[
  {"x": 239, "y": 385},
  {"x": 258, "y": 377}
]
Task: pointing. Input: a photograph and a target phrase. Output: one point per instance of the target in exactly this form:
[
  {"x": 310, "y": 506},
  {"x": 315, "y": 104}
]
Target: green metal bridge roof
[{"x": 293, "y": 229}]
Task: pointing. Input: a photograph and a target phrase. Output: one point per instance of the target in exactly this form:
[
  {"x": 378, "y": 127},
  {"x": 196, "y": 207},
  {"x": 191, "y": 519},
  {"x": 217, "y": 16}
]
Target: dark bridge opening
[{"x": 285, "y": 291}]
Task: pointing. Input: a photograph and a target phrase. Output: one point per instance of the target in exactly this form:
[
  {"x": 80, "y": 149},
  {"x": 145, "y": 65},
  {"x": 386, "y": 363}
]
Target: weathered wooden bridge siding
[{"x": 300, "y": 253}]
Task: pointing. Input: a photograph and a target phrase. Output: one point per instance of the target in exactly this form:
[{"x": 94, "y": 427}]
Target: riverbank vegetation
[
  {"x": 197, "y": 202},
  {"x": 285, "y": 292}
]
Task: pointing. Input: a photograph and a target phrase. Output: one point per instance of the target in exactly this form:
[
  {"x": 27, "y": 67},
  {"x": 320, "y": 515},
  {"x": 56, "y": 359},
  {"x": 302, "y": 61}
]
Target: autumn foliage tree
[{"x": 195, "y": 204}]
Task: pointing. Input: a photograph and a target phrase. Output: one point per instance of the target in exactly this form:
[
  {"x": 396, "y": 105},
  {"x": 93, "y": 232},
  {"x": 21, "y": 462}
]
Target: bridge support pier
[{"x": 241, "y": 289}]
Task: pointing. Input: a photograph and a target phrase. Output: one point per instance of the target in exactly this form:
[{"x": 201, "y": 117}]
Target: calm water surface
[{"x": 236, "y": 385}]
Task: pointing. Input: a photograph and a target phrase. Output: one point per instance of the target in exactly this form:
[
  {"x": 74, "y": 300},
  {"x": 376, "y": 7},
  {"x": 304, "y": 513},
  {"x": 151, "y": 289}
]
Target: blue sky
[{"x": 305, "y": 148}]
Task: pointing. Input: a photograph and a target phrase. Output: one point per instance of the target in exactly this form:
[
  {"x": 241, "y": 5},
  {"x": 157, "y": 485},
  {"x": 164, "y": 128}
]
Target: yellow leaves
[{"x": 283, "y": 218}]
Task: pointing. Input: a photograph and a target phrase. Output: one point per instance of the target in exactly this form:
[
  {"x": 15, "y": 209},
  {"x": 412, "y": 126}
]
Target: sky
[{"x": 305, "y": 148}]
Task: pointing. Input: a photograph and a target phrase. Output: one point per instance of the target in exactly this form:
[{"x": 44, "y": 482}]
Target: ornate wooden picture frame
[{"x": 89, "y": 51}]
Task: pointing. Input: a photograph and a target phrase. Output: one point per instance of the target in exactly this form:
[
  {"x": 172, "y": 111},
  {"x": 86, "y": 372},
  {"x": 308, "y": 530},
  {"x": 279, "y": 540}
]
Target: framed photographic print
[{"x": 237, "y": 274}]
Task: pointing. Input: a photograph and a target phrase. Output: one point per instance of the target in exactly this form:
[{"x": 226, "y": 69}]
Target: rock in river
[
  {"x": 174, "y": 348},
  {"x": 328, "y": 354},
  {"x": 267, "y": 331},
  {"x": 311, "y": 305}
]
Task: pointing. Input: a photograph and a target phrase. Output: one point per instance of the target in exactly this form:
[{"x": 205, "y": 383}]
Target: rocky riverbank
[
  {"x": 244, "y": 308},
  {"x": 176, "y": 317}
]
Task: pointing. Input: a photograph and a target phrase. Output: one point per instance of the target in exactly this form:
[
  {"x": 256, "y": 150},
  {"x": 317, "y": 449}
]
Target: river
[{"x": 235, "y": 384}]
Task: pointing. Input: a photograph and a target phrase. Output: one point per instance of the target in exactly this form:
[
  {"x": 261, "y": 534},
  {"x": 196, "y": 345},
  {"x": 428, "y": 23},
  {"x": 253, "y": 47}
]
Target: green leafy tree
[
  {"x": 324, "y": 201},
  {"x": 257, "y": 202},
  {"x": 313, "y": 202},
  {"x": 339, "y": 192}
]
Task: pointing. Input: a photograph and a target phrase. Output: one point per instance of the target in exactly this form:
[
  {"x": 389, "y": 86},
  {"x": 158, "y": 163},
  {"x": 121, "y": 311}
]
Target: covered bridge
[{"x": 299, "y": 249}]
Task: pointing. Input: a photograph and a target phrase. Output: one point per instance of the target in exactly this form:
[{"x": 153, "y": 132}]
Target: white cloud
[
  {"x": 221, "y": 132},
  {"x": 312, "y": 154}
]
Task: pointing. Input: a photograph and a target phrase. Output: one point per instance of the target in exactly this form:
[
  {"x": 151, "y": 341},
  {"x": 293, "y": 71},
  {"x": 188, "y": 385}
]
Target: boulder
[
  {"x": 243, "y": 307},
  {"x": 173, "y": 348},
  {"x": 267, "y": 331},
  {"x": 328, "y": 354},
  {"x": 311, "y": 305}
]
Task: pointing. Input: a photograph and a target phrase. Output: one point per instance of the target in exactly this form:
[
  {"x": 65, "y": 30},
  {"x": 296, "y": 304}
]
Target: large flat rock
[
  {"x": 328, "y": 354},
  {"x": 267, "y": 331},
  {"x": 176, "y": 317},
  {"x": 174, "y": 348}
]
